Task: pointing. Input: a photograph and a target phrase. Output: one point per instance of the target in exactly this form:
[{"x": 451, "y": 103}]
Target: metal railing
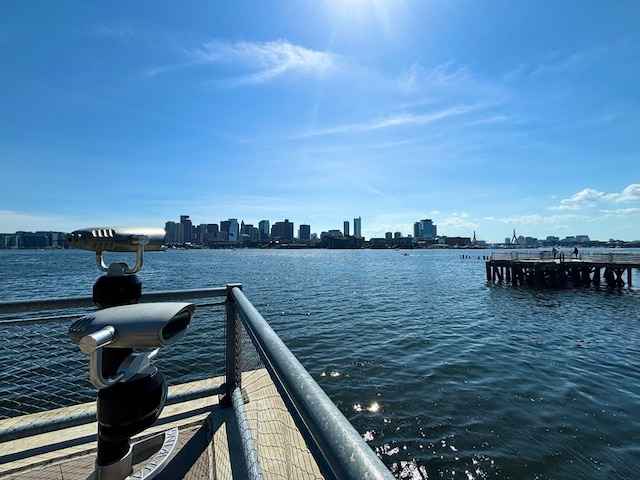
[
  {"x": 629, "y": 258},
  {"x": 248, "y": 344}
]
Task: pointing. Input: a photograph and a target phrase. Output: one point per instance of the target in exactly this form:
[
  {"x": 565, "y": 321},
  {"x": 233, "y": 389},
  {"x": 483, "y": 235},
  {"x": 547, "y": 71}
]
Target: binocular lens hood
[{"x": 134, "y": 326}]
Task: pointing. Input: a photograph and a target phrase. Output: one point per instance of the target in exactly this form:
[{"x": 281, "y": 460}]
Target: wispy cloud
[
  {"x": 554, "y": 62},
  {"x": 264, "y": 60},
  {"x": 393, "y": 120},
  {"x": 445, "y": 75},
  {"x": 536, "y": 219}
]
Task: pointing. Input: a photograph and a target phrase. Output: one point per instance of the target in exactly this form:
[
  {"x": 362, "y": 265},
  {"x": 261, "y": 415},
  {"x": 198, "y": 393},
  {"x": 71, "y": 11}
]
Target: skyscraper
[
  {"x": 345, "y": 229},
  {"x": 425, "y": 229},
  {"x": 304, "y": 232},
  {"x": 263, "y": 228},
  {"x": 357, "y": 227},
  {"x": 282, "y": 231},
  {"x": 234, "y": 230},
  {"x": 186, "y": 229}
]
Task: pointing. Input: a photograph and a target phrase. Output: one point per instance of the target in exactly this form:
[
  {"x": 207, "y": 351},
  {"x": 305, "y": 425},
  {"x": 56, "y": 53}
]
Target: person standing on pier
[{"x": 575, "y": 251}]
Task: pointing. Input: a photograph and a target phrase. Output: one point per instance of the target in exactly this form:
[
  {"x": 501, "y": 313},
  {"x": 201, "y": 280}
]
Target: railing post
[{"x": 233, "y": 378}]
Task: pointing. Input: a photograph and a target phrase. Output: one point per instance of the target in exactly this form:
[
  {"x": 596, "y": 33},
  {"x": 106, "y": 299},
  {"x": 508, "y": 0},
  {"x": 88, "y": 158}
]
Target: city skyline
[{"x": 484, "y": 117}]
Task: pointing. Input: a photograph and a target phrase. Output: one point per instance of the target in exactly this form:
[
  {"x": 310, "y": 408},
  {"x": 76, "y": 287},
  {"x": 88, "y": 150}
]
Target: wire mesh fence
[
  {"x": 282, "y": 450},
  {"x": 41, "y": 369}
]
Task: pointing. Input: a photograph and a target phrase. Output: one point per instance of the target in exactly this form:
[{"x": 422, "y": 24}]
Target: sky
[{"x": 484, "y": 116}]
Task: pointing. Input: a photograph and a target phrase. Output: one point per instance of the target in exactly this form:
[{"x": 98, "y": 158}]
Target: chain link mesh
[
  {"x": 282, "y": 451},
  {"x": 41, "y": 369}
]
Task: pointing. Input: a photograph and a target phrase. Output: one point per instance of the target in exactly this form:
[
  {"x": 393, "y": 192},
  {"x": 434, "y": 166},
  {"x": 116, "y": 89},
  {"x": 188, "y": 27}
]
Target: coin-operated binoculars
[{"x": 131, "y": 390}]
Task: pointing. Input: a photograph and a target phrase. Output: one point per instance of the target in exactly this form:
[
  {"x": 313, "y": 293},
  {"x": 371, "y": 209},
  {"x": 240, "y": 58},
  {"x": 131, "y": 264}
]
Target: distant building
[
  {"x": 357, "y": 227},
  {"x": 304, "y": 232},
  {"x": 388, "y": 235},
  {"x": 282, "y": 231},
  {"x": 185, "y": 234},
  {"x": 345, "y": 228},
  {"x": 248, "y": 233},
  {"x": 263, "y": 231},
  {"x": 212, "y": 232},
  {"x": 234, "y": 230},
  {"x": 171, "y": 232},
  {"x": 425, "y": 229}
]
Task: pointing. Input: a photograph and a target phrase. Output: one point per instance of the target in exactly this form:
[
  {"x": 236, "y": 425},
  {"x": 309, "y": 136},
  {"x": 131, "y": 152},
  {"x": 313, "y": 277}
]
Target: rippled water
[{"x": 443, "y": 375}]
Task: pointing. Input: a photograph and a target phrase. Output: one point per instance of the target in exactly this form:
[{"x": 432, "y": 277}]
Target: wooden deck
[
  {"x": 208, "y": 441},
  {"x": 562, "y": 271}
]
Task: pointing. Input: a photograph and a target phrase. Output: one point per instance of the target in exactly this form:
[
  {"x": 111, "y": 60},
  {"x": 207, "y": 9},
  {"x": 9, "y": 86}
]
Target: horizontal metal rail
[
  {"x": 21, "y": 306},
  {"x": 620, "y": 258},
  {"x": 344, "y": 450}
]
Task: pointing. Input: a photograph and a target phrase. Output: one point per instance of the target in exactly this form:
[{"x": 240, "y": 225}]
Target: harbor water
[{"x": 444, "y": 375}]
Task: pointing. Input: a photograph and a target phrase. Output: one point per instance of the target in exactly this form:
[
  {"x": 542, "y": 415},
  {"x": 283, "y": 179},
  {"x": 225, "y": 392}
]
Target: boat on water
[{"x": 263, "y": 417}]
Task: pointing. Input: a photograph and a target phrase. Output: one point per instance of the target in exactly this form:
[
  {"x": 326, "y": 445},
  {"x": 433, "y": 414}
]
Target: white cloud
[
  {"x": 266, "y": 60},
  {"x": 536, "y": 219},
  {"x": 591, "y": 197},
  {"x": 588, "y": 195},
  {"x": 564, "y": 207},
  {"x": 629, "y": 194},
  {"x": 409, "y": 119},
  {"x": 459, "y": 221}
]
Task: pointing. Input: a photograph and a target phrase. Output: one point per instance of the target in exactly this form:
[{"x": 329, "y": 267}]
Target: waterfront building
[
  {"x": 263, "y": 231},
  {"x": 248, "y": 233},
  {"x": 388, "y": 236},
  {"x": 345, "y": 228},
  {"x": 357, "y": 227},
  {"x": 282, "y": 231},
  {"x": 304, "y": 232},
  {"x": 224, "y": 230},
  {"x": 234, "y": 230},
  {"x": 212, "y": 232},
  {"x": 185, "y": 235},
  {"x": 170, "y": 232},
  {"x": 425, "y": 229}
]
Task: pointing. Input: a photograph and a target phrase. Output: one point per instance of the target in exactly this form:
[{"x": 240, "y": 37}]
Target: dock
[{"x": 544, "y": 269}]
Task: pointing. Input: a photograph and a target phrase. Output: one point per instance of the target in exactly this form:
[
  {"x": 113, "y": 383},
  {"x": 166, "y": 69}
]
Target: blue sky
[{"x": 484, "y": 116}]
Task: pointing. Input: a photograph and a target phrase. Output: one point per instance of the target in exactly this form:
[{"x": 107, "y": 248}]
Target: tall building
[
  {"x": 187, "y": 227},
  {"x": 345, "y": 228},
  {"x": 224, "y": 230},
  {"x": 425, "y": 229},
  {"x": 304, "y": 232},
  {"x": 357, "y": 227},
  {"x": 212, "y": 232},
  {"x": 282, "y": 231},
  {"x": 264, "y": 231},
  {"x": 234, "y": 230},
  {"x": 171, "y": 232}
]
